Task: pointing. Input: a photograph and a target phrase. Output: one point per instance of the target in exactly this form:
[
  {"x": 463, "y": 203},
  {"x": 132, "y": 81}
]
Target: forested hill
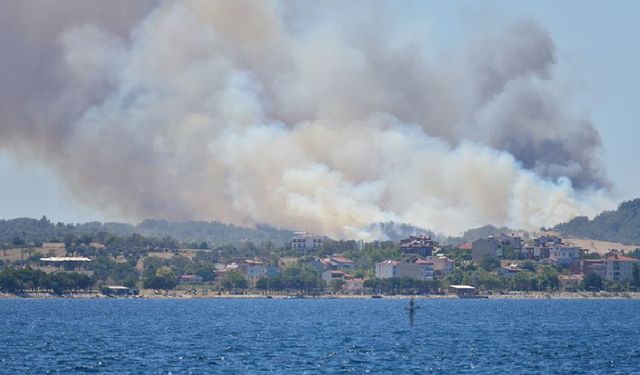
[
  {"x": 621, "y": 225},
  {"x": 43, "y": 230}
]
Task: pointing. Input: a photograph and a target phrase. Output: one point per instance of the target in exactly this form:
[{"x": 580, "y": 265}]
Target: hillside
[
  {"x": 43, "y": 230},
  {"x": 621, "y": 225}
]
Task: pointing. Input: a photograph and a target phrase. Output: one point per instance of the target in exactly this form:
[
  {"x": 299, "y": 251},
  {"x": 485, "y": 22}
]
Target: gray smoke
[{"x": 269, "y": 112}]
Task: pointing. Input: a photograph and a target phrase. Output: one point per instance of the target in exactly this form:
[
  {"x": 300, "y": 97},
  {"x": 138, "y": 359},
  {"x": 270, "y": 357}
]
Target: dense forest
[
  {"x": 621, "y": 225},
  {"x": 43, "y": 230}
]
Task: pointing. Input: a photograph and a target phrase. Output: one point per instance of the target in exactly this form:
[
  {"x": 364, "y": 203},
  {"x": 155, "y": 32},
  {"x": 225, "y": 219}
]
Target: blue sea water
[{"x": 319, "y": 336}]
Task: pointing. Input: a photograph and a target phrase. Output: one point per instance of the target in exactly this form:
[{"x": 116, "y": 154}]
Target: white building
[
  {"x": 564, "y": 255},
  {"x": 304, "y": 241},
  {"x": 619, "y": 267},
  {"x": 254, "y": 270},
  {"x": 334, "y": 275},
  {"x": 420, "y": 270}
]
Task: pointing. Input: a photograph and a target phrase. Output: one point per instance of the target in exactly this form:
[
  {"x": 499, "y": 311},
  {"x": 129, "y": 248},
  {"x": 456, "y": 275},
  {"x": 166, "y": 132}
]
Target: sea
[{"x": 314, "y": 336}]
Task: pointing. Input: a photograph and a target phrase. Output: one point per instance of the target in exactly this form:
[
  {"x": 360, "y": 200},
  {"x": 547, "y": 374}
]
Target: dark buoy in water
[{"x": 412, "y": 310}]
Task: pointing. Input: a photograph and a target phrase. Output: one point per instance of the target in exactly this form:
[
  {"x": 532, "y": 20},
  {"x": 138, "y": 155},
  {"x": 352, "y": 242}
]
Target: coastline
[{"x": 145, "y": 294}]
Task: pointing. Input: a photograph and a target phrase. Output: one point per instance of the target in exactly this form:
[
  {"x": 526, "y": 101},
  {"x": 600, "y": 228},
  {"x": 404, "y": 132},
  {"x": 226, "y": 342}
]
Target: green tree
[
  {"x": 18, "y": 241},
  {"x": 207, "y": 272},
  {"x": 336, "y": 285},
  {"x": 635, "y": 274},
  {"x": 592, "y": 281},
  {"x": 489, "y": 263},
  {"x": 233, "y": 280},
  {"x": 164, "y": 279}
]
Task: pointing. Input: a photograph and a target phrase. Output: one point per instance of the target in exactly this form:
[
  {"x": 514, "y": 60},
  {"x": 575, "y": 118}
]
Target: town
[{"x": 314, "y": 265}]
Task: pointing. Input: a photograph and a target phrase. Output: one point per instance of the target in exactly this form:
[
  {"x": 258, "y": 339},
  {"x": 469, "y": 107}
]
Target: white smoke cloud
[{"x": 223, "y": 110}]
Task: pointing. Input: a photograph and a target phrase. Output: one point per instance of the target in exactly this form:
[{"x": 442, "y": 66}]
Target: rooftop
[
  {"x": 66, "y": 259},
  {"x": 462, "y": 287}
]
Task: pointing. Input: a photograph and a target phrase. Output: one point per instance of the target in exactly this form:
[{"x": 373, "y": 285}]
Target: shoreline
[{"x": 188, "y": 296}]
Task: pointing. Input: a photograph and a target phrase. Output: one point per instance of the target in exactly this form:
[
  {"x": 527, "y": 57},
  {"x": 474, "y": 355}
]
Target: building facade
[
  {"x": 483, "y": 247},
  {"x": 306, "y": 242},
  {"x": 419, "y": 270},
  {"x": 421, "y": 246}
]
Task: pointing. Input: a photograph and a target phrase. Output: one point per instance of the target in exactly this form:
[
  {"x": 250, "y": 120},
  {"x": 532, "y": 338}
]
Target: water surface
[{"x": 319, "y": 336}]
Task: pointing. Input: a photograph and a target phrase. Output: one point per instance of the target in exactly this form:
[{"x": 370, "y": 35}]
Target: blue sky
[{"x": 597, "y": 56}]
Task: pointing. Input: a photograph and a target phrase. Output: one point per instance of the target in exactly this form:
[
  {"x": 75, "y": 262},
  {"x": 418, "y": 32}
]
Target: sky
[{"x": 596, "y": 59}]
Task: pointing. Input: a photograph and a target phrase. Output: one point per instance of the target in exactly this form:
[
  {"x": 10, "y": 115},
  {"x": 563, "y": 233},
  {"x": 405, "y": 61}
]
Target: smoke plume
[{"x": 268, "y": 112}]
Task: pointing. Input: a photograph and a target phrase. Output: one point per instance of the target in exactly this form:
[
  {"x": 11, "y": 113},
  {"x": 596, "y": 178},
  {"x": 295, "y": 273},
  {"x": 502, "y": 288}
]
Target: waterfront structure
[
  {"x": 421, "y": 269},
  {"x": 463, "y": 291},
  {"x": 119, "y": 290},
  {"x": 305, "y": 242}
]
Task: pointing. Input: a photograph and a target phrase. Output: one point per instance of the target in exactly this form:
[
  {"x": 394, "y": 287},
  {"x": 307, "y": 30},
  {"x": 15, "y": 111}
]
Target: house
[
  {"x": 512, "y": 240},
  {"x": 334, "y": 275},
  {"x": 254, "y": 270},
  {"x": 527, "y": 252},
  {"x": 509, "y": 271},
  {"x": 337, "y": 262},
  {"x": 564, "y": 255},
  {"x": 597, "y": 266},
  {"x": 220, "y": 271},
  {"x": 570, "y": 282},
  {"x": 420, "y": 270},
  {"x": 442, "y": 266},
  {"x": 189, "y": 279},
  {"x": 547, "y": 240},
  {"x": 466, "y": 246},
  {"x": 386, "y": 269},
  {"x": 483, "y": 247},
  {"x": 541, "y": 252},
  {"x": 305, "y": 242},
  {"x": 421, "y": 246}
]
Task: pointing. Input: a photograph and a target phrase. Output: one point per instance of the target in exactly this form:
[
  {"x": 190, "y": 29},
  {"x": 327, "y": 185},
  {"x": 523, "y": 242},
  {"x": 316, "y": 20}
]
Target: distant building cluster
[
  {"x": 552, "y": 250},
  {"x": 417, "y": 261}
]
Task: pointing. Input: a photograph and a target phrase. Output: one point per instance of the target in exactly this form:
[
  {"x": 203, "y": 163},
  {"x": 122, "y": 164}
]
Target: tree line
[{"x": 14, "y": 280}]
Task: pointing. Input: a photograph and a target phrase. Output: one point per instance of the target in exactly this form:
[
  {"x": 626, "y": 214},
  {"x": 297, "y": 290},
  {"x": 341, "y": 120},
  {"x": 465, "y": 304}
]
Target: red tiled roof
[
  {"x": 465, "y": 246},
  {"x": 341, "y": 260},
  {"x": 620, "y": 258}
]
